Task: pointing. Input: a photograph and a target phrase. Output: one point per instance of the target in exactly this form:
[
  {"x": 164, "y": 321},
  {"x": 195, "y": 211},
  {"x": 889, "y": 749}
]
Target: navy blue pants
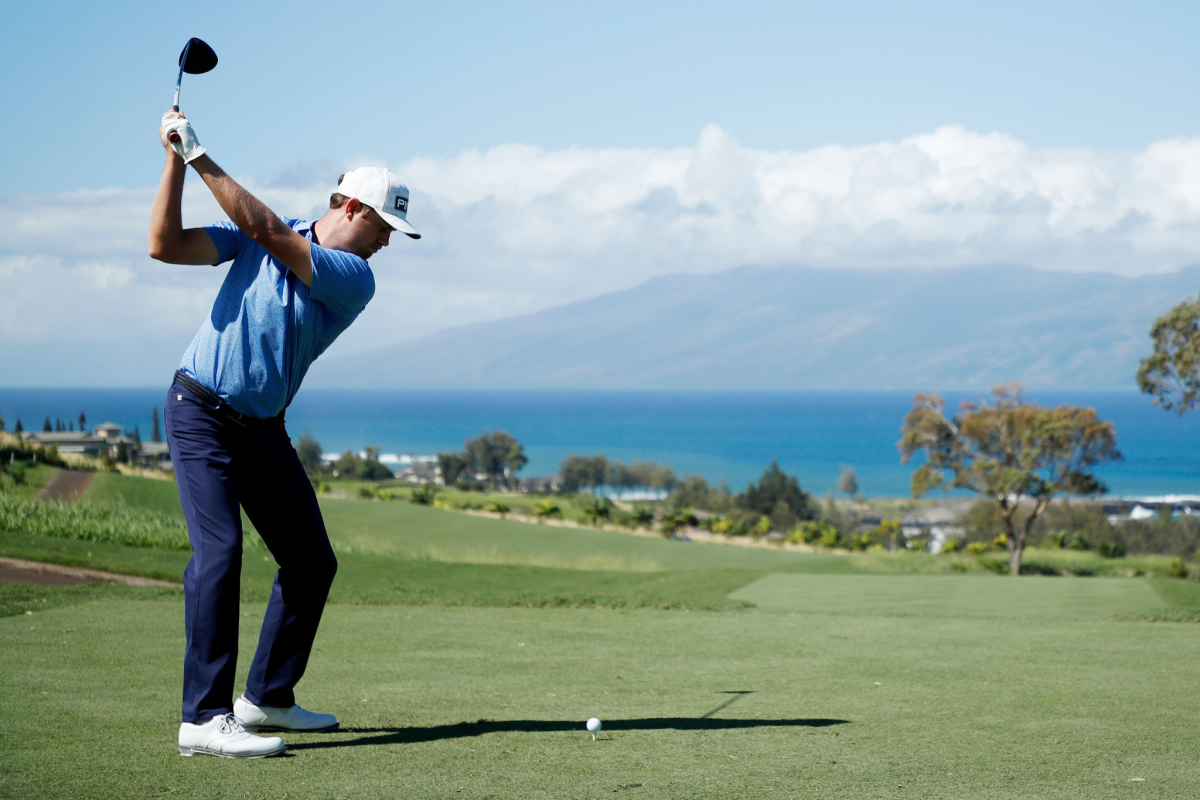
[{"x": 222, "y": 465}]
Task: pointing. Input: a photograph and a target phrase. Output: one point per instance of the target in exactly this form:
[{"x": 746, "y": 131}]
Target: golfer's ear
[{"x": 353, "y": 207}]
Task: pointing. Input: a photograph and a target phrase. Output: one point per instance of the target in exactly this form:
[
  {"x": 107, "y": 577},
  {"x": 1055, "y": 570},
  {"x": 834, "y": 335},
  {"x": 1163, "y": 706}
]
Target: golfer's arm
[
  {"x": 257, "y": 221},
  {"x": 169, "y": 241}
]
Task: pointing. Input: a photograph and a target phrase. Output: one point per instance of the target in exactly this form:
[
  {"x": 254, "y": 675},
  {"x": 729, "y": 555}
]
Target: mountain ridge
[{"x": 756, "y": 327}]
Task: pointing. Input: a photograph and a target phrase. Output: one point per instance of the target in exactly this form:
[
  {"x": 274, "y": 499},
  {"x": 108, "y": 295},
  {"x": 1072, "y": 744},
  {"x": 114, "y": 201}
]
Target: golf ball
[{"x": 594, "y": 724}]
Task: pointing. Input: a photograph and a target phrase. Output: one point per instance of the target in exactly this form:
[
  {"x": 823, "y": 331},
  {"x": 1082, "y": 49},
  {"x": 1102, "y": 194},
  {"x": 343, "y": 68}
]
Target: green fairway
[
  {"x": 953, "y": 595},
  {"x": 483, "y": 702},
  {"x": 463, "y": 655}
]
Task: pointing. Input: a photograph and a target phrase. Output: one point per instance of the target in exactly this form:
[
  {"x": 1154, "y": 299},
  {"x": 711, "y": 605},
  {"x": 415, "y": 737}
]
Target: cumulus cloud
[{"x": 518, "y": 228}]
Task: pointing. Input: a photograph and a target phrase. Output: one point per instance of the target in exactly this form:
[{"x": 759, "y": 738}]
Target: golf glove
[{"x": 188, "y": 146}]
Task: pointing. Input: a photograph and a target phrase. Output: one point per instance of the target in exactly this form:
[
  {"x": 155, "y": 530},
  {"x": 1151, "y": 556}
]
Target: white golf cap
[{"x": 381, "y": 190}]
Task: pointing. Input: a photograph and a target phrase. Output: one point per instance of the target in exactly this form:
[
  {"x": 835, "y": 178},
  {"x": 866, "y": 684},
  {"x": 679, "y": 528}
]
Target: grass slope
[
  {"x": 414, "y": 531},
  {"x": 109, "y": 488}
]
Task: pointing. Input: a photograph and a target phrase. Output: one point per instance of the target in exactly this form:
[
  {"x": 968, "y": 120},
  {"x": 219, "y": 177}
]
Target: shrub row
[{"x": 133, "y": 527}]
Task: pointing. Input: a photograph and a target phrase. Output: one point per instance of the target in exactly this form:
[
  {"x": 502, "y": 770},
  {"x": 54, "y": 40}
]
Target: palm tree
[{"x": 547, "y": 509}]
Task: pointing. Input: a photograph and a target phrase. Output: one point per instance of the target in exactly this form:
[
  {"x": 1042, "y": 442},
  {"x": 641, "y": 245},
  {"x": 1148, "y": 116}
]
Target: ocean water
[{"x": 730, "y": 436}]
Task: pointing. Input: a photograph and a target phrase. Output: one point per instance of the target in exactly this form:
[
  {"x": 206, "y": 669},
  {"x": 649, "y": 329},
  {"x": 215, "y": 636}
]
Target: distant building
[
  {"x": 70, "y": 442},
  {"x": 106, "y": 438},
  {"x": 544, "y": 484},
  {"x": 421, "y": 471}
]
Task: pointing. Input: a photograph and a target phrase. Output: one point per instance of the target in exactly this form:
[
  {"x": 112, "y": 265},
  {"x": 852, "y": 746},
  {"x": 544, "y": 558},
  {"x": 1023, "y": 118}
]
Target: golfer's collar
[{"x": 312, "y": 232}]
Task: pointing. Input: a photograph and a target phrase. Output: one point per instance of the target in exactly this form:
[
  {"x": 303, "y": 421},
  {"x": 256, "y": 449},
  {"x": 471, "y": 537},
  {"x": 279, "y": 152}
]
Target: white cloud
[{"x": 518, "y": 228}]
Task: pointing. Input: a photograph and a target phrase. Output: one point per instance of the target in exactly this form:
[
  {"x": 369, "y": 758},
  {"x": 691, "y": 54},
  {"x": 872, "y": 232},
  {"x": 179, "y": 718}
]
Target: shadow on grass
[{"x": 414, "y": 735}]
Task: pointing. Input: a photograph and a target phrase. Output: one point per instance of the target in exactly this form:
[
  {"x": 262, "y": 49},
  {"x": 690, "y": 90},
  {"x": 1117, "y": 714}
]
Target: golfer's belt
[{"x": 210, "y": 397}]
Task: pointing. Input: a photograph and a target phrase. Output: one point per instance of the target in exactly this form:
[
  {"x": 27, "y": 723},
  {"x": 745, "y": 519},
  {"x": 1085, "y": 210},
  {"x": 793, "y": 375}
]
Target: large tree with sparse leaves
[{"x": 1019, "y": 454}]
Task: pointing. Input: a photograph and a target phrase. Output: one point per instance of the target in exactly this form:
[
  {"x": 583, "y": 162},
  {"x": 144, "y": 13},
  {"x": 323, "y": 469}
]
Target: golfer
[{"x": 291, "y": 288}]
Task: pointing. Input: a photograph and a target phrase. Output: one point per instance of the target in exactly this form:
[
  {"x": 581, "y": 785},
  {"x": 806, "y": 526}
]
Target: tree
[
  {"x": 890, "y": 530},
  {"x": 497, "y": 454},
  {"x": 82, "y": 422},
  {"x": 580, "y": 472},
  {"x": 1171, "y": 374},
  {"x": 19, "y": 428},
  {"x": 346, "y": 465},
  {"x": 773, "y": 487},
  {"x": 47, "y": 427},
  {"x": 137, "y": 438},
  {"x": 1, "y": 423},
  {"x": 848, "y": 482},
  {"x": 155, "y": 433},
  {"x": 369, "y": 468},
  {"x": 452, "y": 465},
  {"x": 308, "y": 450},
  {"x": 1010, "y": 451}
]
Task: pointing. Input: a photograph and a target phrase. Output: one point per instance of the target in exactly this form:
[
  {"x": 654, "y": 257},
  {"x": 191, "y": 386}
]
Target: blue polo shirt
[{"x": 266, "y": 327}]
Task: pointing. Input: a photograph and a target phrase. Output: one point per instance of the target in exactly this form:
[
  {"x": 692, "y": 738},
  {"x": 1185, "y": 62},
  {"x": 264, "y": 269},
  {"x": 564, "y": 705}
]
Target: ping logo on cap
[{"x": 402, "y": 204}]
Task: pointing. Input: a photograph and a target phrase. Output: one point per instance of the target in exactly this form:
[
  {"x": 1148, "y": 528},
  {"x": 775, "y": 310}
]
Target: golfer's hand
[
  {"x": 177, "y": 132},
  {"x": 162, "y": 134}
]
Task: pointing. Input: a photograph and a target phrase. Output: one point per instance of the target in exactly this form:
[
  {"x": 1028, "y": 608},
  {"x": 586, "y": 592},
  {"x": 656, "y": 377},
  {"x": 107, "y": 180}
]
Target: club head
[{"x": 200, "y": 57}]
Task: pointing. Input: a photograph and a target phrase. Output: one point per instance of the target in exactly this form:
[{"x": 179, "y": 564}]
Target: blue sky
[
  {"x": 558, "y": 151},
  {"x": 301, "y": 82}
]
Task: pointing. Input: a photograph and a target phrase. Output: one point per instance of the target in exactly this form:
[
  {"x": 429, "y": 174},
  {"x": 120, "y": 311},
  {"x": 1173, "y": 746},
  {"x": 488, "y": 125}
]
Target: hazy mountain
[{"x": 757, "y": 328}]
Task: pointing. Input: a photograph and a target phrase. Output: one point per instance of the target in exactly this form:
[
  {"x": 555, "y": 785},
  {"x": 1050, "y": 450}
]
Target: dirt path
[
  {"x": 15, "y": 570},
  {"x": 67, "y": 486}
]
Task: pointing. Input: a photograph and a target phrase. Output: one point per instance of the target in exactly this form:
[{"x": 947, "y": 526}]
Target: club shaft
[{"x": 179, "y": 80}]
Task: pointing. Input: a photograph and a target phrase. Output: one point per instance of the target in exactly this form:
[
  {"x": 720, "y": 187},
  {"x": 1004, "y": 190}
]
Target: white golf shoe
[
  {"x": 224, "y": 736},
  {"x": 269, "y": 718}
]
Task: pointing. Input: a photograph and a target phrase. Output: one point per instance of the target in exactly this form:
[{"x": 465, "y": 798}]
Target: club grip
[{"x": 174, "y": 137}]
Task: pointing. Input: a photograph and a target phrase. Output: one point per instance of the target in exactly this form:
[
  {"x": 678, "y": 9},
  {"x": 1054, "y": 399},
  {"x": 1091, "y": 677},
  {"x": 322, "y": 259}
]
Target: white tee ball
[{"x": 594, "y": 724}]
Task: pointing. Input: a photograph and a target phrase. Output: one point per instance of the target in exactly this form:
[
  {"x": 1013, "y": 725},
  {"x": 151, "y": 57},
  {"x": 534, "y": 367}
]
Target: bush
[
  {"x": 679, "y": 518},
  {"x": 497, "y": 507},
  {"x": 133, "y": 527},
  {"x": 643, "y": 516},
  {"x": 861, "y": 541},
  {"x": 811, "y": 531},
  {"x": 952, "y": 545},
  {"x": 975, "y": 548},
  {"x": 1079, "y": 542},
  {"x": 830, "y": 536},
  {"x": 726, "y": 526},
  {"x": 1178, "y": 569},
  {"x": 424, "y": 495},
  {"x": 366, "y": 492},
  {"x": 1055, "y": 540},
  {"x": 547, "y": 509},
  {"x": 596, "y": 509},
  {"x": 1109, "y": 549}
]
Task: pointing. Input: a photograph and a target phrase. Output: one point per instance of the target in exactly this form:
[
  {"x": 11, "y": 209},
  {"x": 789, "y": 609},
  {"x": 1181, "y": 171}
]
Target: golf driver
[{"x": 197, "y": 57}]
